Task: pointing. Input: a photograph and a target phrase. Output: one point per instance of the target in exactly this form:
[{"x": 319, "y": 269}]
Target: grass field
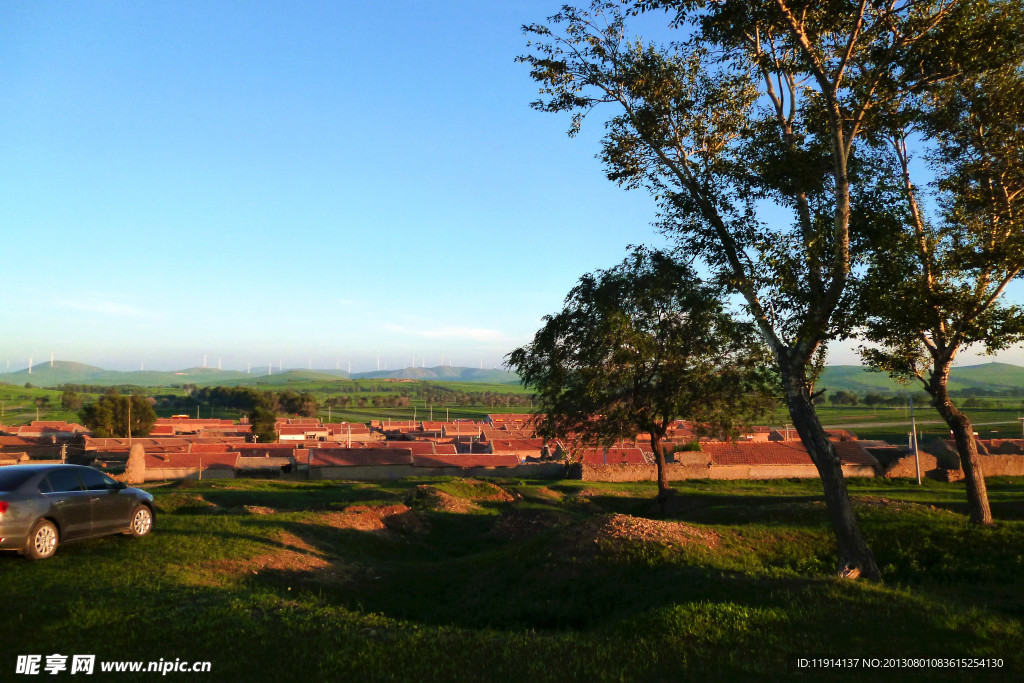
[{"x": 452, "y": 579}]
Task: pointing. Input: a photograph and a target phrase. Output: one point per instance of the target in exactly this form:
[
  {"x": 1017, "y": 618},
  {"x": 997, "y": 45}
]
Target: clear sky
[{"x": 293, "y": 182}]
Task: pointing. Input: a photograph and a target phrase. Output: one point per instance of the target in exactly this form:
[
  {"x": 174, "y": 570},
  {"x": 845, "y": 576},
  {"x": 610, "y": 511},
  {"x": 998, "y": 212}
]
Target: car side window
[
  {"x": 63, "y": 480},
  {"x": 97, "y": 481}
]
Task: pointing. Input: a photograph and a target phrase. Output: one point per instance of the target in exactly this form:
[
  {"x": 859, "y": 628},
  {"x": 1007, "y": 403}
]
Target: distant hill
[
  {"x": 67, "y": 372},
  {"x": 445, "y": 372},
  {"x": 998, "y": 377}
]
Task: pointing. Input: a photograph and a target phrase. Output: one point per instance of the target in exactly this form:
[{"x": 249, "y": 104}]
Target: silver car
[{"x": 43, "y": 505}]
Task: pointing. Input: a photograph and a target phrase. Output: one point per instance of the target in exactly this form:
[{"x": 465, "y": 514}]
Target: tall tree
[
  {"x": 637, "y": 347},
  {"x": 113, "y": 415},
  {"x": 748, "y": 131},
  {"x": 263, "y": 421},
  {"x": 936, "y": 287}
]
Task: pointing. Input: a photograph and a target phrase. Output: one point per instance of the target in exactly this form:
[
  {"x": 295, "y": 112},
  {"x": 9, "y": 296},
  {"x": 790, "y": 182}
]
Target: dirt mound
[
  {"x": 398, "y": 518},
  {"x": 426, "y": 497},
  {"x": 894, "y": 505},
  {"x": 542, "y": 493},
  {"x": 517, "y": 524},
  {"x": 295, "y": 556},
  {"x": 594, "y": 493},
  {"x": 485, "y": 490},
  {"x": 614, "y": 529},
  {"x": 181, "y": 502}
]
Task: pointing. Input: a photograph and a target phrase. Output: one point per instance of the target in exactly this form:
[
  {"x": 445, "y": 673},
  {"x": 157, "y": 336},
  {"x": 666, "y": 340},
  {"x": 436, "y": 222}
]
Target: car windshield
[{"x": 12, "y": 479}]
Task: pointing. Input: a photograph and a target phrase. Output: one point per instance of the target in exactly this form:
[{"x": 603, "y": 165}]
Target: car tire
[
  {"x": 141, "y": 522},
  {"x": 42, "y": 541}
]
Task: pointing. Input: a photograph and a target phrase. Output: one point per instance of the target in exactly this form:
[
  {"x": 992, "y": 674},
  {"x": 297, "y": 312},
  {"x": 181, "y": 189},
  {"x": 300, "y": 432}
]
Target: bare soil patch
[
  {"x": 181, "y": 502},
  {"x": 485, "y": 490},
  {"x": 517, "y": 524},
  {"x": 614, "y": 529},
  {"x": 593, "y": 493},
  {"x": 372, "y": 518},
  {"x": 296, "y": 556},
  {"x": 429, "y": 497}
]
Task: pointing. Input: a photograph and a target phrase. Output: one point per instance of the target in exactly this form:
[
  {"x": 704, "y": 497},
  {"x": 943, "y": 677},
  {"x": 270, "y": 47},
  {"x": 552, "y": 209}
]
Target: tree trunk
[
  {"x": 966, "y": 447},
  {"x": 854, "y": 556},
  {"x": 659, "y": 458}
]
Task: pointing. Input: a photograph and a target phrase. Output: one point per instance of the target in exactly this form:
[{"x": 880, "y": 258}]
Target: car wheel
[
  {"x": 142, "y": 521},
  {"x": 42, "y": 542}
]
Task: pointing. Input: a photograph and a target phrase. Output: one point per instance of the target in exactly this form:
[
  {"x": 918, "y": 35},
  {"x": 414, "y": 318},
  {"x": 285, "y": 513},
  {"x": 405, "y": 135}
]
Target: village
[{"x": 502, "y": 445}]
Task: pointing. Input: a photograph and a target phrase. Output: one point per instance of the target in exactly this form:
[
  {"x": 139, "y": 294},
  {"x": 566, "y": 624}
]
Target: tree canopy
[
  {"x": 263, "y": 421},
  {"x": 749, "y": 130},
  {"x": 639, "y": 346},
  {"x": 109, "y": 415},
  {"x": 936, "y": 282}
]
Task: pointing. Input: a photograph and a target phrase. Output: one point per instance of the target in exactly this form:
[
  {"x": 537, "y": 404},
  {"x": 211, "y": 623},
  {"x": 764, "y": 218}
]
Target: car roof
[{"x": 40, "y": 468}]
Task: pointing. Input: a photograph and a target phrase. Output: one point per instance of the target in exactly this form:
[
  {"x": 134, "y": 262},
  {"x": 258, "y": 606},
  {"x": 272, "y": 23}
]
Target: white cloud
[{"x": 103, "y": 307}]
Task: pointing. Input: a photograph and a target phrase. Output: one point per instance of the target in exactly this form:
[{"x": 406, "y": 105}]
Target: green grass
[{"x": 457, "y": 597}]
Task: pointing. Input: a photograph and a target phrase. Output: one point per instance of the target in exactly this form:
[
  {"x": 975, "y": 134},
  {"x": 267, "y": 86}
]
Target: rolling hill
[
  {"x": 997, "y": 377},
  {"x": 68, "y": 372}
]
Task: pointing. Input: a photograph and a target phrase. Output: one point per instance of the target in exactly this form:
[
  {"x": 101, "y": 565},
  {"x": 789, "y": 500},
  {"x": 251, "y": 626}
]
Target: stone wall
[
  {"x": 904, "y": 466},
  {"x": 540, "y": 470},
  {"x": 1002, "y": 465},
  {"x": 683, "y": 471},
  {"x": 191, "y": 473},
  {"x": 991, "y": 466}
]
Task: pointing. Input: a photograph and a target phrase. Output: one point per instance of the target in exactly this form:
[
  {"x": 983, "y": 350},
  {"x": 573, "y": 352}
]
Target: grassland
[{"x": 453, "y": 579}]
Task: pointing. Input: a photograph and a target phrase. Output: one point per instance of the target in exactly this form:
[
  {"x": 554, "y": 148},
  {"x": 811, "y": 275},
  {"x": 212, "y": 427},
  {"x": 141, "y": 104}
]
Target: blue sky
[{"x": 288, "y": 182}]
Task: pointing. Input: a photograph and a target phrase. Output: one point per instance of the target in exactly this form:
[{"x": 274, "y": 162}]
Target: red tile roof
[
  {"x": 615, "y": 456},
  {"x": 852, "y": 453},
  {"x": 347, "y": 427},
  {"x": 211, "y": 447},
  {"x": 756, "y": 453},
  {"x": 466, "y": 460},
  {"x": 521, "y": 446},
  {"x": 423, "y": 447},
  {"x": 354, "y": 457},
  {"x": 242, "y": 447}
]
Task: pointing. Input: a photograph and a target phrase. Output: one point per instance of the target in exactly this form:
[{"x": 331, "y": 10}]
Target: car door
[
  {"x": 111, "y": 507},
  {"x": 69, "y": 502}
]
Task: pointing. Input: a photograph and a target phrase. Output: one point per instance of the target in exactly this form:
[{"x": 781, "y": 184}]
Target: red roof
[
  {"x": 241, "y": 447},
  {"x": 615, "y": 456},
  {"x": 212, "y": 447},
  {"x": 288, "y": 430},
  {"x": 852, "y": 453},
  {"x": 423, "y": 447},
  {"x": 780, "y": 453},
  {"x": 467, "y": 460},
  {"x": 524, "y": 446},
  {"x": 347, "y": 427},
  {"x": 353, "y": 457}
]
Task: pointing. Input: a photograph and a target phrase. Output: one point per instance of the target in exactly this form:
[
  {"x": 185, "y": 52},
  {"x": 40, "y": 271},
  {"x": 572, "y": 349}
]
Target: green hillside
[
  {"x": 445, "y": 372},
  {"x": 67, "y": 372},
  {"x": 997, "y": 377}
]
